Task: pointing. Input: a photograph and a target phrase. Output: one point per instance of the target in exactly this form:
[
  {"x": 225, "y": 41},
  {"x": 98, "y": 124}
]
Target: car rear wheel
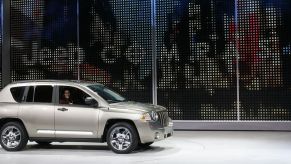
[
  {"x": 13, "y": 136},
  {"x": 122, "y": 138}
]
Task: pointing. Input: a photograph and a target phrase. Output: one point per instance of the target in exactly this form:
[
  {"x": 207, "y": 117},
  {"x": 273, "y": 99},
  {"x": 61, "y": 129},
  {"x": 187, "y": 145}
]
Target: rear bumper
[{"x": 152, "y": 132}]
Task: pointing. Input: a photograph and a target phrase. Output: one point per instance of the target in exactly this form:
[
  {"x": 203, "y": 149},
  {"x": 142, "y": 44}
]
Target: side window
[
  {"x": 17, "y": 93},
  {"x": 43, "y": 94},
  {"x": 71, "y": 95},
  {"x": 29, "y": 97}
]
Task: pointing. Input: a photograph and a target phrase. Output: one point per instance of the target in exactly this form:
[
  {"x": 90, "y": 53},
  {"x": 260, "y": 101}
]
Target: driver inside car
[{"x": 66, "y": 97}]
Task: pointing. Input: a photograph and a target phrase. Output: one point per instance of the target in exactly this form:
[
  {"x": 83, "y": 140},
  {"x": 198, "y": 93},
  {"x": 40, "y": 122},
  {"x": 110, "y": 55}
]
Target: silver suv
[{"x": 59, "y": 111}]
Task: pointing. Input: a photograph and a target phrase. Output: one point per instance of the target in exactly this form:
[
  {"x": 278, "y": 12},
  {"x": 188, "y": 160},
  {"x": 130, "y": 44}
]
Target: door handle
[{"x": 63, "y": 109}]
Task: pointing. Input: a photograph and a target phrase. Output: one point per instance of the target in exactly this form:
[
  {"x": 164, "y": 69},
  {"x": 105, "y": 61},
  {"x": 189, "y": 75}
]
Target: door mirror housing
[{"x": 91, "y": 102}]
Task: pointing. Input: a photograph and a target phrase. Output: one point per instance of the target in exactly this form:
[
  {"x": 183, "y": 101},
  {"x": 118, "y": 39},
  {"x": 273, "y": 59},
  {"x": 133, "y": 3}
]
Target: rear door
[{"x": 37, "y": 111}]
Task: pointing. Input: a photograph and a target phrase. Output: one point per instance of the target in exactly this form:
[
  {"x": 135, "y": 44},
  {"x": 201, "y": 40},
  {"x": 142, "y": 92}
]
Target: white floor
[{"x": 185, "y": 147}]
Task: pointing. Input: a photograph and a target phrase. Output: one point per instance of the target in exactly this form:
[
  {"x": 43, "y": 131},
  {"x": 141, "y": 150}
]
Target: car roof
[{"x": 56, "y": 82}]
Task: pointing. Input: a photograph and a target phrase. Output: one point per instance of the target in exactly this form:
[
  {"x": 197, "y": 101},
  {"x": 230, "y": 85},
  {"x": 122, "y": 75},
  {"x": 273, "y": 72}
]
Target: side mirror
[{"x": 91, "y": 102}]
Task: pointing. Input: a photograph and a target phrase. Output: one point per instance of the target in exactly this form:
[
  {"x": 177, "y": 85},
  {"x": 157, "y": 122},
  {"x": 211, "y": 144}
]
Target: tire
[
  {"x": 123, "y": 134},
  {"x": 145, "y": 145},
  {"x": 43, "y": 143},
  {"x": 13, "y": 133}
]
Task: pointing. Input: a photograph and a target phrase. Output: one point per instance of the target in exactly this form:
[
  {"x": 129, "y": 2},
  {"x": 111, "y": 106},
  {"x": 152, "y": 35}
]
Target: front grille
[{"x": 163, "y": 118}]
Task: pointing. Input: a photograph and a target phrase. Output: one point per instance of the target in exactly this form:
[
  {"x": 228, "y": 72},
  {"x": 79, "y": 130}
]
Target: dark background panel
[
  {"x": 116, "y": 44},
  {"x": 196, "y": 53},
  {"x": 1, "y": 45},
  {"x": 43, "y": 39},
  {"x": 264, "y": 50}
]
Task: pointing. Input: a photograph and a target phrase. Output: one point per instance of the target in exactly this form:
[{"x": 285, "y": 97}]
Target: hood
[{"x": 136, "y": 106}]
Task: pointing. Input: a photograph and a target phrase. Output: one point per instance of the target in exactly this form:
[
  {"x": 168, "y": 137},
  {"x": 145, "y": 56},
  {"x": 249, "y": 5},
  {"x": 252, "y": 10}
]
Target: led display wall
[
  {"x": 264, "y": 51},
  {"x": 200, "y": 63},
  {"x": 1, "y": 46},
  {"x": 211, "y": 65},
  {"x": 43, "y": 39},
  {"x": 195, "y": 59},
  {"x": 116, "y": 45}
]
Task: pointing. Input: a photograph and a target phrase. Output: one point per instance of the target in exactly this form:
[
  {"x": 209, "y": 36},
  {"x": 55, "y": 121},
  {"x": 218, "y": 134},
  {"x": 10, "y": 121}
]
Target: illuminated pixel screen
[
  {"x": 1, "y": 47},
  {"x": 215, "y": 60}
]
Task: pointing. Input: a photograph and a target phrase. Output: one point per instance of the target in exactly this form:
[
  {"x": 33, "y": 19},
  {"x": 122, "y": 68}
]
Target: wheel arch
[
  {"x": 3, "y": 121},
  {"x": 111, "y": 122}
]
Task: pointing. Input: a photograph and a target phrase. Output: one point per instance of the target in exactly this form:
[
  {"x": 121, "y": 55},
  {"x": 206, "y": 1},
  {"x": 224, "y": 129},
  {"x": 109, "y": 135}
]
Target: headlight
[{"x": 152, "y": 116}]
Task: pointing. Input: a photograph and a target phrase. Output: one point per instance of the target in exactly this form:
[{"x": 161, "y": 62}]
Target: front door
[{"x": 73, "y": 118}]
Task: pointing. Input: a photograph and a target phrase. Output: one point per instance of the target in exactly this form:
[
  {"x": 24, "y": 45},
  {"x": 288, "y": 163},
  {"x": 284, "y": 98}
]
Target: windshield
[{"x": 107, "y": 94}]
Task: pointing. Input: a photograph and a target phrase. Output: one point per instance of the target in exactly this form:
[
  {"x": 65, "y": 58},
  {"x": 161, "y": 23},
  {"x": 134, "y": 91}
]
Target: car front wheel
[
  {"x": 122, "y": 138},
  {"x": 13, "y": 136}
]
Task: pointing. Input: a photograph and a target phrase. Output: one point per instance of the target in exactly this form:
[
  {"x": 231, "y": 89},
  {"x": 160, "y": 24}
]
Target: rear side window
[
  {"x": 43, "y": 94},
  {"x": 17, "y": 93},
  {"x": 29, "y": 97}
]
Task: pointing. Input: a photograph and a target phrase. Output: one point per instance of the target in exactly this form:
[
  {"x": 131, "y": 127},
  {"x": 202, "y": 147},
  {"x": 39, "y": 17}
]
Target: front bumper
[{"x": 153, "y": 131}]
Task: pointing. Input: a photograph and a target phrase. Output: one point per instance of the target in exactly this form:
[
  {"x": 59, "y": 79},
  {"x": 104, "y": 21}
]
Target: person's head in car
[{"x": 66, "y": 97}]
